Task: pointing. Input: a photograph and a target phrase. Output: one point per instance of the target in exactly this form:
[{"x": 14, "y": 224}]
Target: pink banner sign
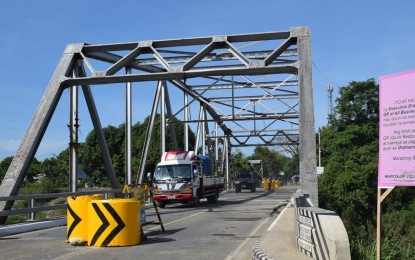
[{"x": 397, "y": 130}]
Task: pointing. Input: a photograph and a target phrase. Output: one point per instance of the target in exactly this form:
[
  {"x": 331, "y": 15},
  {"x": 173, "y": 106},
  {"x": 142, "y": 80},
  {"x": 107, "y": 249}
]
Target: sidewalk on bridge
[{"x": 278, "y": 242}]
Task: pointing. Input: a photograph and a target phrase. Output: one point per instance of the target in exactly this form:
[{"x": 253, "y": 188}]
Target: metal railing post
[{"x": 32, "y": 215}]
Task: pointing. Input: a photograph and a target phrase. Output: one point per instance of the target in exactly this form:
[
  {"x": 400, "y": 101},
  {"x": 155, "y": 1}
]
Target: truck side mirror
[
  {"x": 195, "y": 173},
  {"x": 149, "y": 176}
]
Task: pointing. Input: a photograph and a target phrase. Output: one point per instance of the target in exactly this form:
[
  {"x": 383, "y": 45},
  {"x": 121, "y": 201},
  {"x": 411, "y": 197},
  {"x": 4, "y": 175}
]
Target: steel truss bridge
[{"x": 235, "y": 90}]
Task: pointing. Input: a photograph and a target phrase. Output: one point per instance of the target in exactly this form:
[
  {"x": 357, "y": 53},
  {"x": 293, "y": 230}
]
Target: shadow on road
[
  {"x": 223, "y": 203},
  {"x": 158, "y": 236}
]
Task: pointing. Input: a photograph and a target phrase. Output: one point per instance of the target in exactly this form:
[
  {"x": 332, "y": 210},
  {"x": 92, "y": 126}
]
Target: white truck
[{"x": 184, "y": 177}]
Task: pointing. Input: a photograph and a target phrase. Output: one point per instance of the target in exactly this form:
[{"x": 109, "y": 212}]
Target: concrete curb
[
  {"x": 31, "y": 226},
  {"x": 257, "y": 253},
  {"x": 277, "y": 241}
]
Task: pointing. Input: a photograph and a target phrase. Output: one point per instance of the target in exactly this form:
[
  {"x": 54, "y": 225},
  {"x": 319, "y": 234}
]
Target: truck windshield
[{"x": 172, "y": 171}]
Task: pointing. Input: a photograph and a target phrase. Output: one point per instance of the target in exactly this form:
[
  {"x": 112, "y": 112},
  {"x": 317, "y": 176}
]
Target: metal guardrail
[{"x": 31, "y": 198}]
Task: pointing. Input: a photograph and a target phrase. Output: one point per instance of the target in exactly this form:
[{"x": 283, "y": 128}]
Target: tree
[
  {"x": 240, "y": 163},
  {"x": 270, "y": 165},
  {"x": 358, "y": 104},
  {"x": 56, "y": 169},
  {"x": 31, "y": 174},
  {"x": 349, "y": 147},
  {"x": 4, "y": 165}
]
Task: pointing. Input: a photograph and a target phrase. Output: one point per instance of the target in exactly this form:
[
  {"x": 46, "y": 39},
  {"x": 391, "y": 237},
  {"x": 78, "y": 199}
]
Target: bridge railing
[
  {"x": 32, "y": 209},
  {"x": 319, "y": 233}
]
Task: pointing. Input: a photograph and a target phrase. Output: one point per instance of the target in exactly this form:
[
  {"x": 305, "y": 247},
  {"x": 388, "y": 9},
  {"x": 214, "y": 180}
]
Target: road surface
[{"x": 225, "y": 230}]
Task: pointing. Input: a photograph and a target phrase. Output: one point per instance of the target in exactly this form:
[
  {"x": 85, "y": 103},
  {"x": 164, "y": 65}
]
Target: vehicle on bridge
[
  {"x": 184, "y": 177},
  {"x": 244, "y": 181}
]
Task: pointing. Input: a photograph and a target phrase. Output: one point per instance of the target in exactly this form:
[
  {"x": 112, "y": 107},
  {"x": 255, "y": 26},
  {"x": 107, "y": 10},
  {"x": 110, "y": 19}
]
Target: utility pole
[
  {"x": 320, "y": 170},
  {"x": 329, "y": 89}
]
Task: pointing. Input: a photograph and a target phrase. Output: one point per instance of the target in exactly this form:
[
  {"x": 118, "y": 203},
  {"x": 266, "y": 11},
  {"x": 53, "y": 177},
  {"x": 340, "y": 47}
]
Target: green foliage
[
  {"x": 4, "y": 165},
  {"x": 240, "y": 162},
  {"x": 272, "y": 163},
  {"x": 400, "y": 224},
  {"x": 400, "y": 198},
  {"x": 34, "y": 170},
  {"x": 43, "y": 186},
  {"x": 358, "y": 104},
  {"x": 15, "y": 219},
  {"x": 293, "y": 166},
  {"x": 55, "y": 169}
]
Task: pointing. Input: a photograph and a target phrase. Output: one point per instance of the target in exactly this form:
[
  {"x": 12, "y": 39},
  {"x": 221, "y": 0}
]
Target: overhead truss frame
[{"x": 256, "y": 88}]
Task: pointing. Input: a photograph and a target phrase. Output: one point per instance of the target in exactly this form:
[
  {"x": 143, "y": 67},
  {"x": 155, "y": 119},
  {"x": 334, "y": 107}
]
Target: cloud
[
  {"x": 49, "y": 148},
  {"x": 8, "y": 148},
  {"x": 9, "y": 145},
  {"x": 46, "y": 149}
]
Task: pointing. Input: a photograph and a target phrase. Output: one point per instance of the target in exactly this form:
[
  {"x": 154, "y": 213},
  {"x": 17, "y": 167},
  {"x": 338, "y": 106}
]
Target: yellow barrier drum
[
  {"x": 77, "y": 216},
  {"x": 266, "y": 184},
  {"x": 114, "y": 222},
  {"x": 275, "y": 184}
]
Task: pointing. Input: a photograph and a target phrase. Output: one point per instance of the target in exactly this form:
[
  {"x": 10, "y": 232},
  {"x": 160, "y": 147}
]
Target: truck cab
[{"x": 184, "y": 177}]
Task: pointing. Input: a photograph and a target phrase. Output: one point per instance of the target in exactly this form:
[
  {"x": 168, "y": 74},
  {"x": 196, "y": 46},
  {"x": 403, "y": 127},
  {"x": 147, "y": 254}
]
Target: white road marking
[
  {"x": 234, "y": 253},
  {"x": 177, "y": 220},
  {"x": 278, "y": 218}
]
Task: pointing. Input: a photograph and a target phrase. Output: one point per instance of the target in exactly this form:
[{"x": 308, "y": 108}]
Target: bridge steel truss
[{"x": 242, "y": 90}]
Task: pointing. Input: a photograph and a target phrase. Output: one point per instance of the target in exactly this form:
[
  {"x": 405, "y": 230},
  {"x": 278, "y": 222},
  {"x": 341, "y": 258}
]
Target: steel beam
[
  {"x": 99, "y": 133},
  {"x": 307, "y": 146},
  {"x": 128, "y": 127},
  {"x": 163, "y": 118},
  {"x": 73, "y": 135},
  {"x": 98, "y": 79},
  {"x": 186, "y": 118},
  {"x": 100, "y": 137},
  {"x": 25, "y": 153},
  {"x": 171, "y": 124},
  {"x": 149, "y": 133},
  {"x": 187, "y": 41}
]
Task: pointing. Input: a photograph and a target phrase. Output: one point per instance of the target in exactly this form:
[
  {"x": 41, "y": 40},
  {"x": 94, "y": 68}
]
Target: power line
[{"x": 324, "y": 76}]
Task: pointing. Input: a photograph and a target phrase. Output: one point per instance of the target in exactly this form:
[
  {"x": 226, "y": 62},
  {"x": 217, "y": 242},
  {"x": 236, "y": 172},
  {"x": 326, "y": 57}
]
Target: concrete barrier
[
  {"x": 320, "y": 233},
  {"x": 77, "y": 216},
  {"x": 114, "y": 222}
]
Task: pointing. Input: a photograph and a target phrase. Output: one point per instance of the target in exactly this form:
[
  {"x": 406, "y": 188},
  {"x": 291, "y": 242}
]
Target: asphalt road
[{"x": 225, "y": 230}]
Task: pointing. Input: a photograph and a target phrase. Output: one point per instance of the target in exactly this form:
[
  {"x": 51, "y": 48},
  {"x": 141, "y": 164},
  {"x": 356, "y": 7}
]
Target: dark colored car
[{"x": 244, "y": 181}]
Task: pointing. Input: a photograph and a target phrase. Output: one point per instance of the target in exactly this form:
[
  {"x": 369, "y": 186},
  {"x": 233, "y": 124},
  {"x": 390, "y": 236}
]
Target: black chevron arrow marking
[
  {"x": 76, "y": 221},
  {"x": 117, "y": 229},
  {"x": 103, "y": 226}
]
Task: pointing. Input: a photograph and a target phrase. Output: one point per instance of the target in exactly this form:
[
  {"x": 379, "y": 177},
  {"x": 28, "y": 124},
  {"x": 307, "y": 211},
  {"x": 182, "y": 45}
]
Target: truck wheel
[
  {"x": 213, "y": 198},
  {"x": 237, "y": 190},
  {"x": 253, "y": 189},
  {"x": 196, "y": 201},
  {"x": 161, "y": 204}
]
